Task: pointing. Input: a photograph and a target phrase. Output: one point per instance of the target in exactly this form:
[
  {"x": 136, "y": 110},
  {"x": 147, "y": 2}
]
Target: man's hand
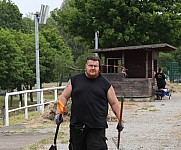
[
  {"x": 120, "y": 127},
  {"x": 58, "y": 119}
]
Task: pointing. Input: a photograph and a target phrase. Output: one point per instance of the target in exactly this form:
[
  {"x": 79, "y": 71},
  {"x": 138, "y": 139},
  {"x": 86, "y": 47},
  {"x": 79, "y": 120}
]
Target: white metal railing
[{"x": 26, "y": 106}]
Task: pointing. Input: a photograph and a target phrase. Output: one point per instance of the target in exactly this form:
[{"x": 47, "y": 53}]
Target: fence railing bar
[
  {"x": 42, "y": 103},
  {"x": 34, "y": 105},
  {"x": 37, "y": 90}
]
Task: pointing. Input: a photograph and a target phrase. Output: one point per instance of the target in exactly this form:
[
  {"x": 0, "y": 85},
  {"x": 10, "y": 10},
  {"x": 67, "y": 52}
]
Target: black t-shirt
[
  {"x": 89, "y": 100},
  {"x": 160, "y": 78}
]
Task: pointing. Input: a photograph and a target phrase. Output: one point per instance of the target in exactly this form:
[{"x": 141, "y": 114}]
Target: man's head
[
  {"x": 92, "y": 66},
  {"x": 159, "y": 69}
]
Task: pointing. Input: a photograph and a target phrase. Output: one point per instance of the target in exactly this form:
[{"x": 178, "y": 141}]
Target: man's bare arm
[
  {"x": 113, "y": 101},
  {"x": 65, "y": 95}
]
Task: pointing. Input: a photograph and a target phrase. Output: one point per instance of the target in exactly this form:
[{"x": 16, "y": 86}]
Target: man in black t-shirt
[
  {"x": 160, "y": 78},
  {"x": 90, "y": 93}
]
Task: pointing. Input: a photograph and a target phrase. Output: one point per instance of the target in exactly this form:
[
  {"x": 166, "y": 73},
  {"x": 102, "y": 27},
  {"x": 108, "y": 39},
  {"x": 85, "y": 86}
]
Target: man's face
[{"x": 92, "y": 68}]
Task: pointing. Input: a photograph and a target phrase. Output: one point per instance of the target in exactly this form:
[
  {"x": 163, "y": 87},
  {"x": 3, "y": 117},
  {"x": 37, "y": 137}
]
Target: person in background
[
  {"x": 161, "y": 79},
  {"x": 124, "y": 70},
  {"x": 90, "y": 93}
]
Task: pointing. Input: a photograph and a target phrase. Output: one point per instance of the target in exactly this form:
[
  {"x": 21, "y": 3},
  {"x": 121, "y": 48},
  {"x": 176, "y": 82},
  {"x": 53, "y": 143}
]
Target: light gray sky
[{"x": 33, "y": 6}]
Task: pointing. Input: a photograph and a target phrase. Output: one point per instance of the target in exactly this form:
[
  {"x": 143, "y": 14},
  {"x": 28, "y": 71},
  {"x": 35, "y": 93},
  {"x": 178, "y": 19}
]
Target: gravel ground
[
  {"x": 148, "y": 126},
  {"x": 152, "y": 126}
]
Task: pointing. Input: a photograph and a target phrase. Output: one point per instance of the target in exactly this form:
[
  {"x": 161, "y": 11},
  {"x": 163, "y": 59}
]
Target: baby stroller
[{"x": 160, "y": 93}]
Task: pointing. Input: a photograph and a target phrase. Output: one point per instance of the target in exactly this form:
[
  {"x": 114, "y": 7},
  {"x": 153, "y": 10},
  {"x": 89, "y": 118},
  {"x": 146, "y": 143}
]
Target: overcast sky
[{"x": 33, "y": 6}]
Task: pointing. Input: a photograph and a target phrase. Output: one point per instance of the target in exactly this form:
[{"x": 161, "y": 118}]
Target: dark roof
[{"x": 159, "y": 47}]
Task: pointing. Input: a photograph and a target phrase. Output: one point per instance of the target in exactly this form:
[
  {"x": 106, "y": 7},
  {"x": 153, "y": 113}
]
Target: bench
[{"x": 2, "y": 114}]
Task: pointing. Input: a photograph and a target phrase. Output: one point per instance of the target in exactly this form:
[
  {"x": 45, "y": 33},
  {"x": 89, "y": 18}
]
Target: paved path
[
  {"x": 148, "y": 126},
  {"x": 17, "y": 137}
]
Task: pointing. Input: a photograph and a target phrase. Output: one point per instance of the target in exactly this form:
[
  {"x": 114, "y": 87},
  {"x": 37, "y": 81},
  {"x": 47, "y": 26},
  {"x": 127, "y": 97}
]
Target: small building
[{"x": 140, "y": 64}]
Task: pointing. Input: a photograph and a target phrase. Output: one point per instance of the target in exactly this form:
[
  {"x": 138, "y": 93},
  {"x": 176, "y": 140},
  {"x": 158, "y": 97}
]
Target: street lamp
[{"x": 40, "y": 17}]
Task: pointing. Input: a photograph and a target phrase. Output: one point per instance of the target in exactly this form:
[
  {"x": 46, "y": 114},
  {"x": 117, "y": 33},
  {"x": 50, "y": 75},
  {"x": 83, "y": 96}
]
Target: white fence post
[
  {"x": 6, "y": 111},
  {"x": 42, "y": 103},
  {"x": 56, "y": 94},
  {"x": 26, "y": 104}
]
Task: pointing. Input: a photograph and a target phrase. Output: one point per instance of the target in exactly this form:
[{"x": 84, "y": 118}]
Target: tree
[
  {"x": 165, "y": 60},
  {"x": 177, "y": 56},
  {"x": 26, "y": 44},
  {"x": 28, "y": 26},
  {"x": 122, "y": 23},
  {"x": 77, "y": 44},
  {"x": 10, "y": 16},
  {"x": 61, "y": 54},
  {"x": 12, "y": 65}
]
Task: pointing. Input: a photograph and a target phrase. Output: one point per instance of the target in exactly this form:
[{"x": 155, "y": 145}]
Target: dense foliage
[
  {"x": 122, "y": 23},
  {"x": 10, "y": 16},
  {"x": 17, "y": 50}
]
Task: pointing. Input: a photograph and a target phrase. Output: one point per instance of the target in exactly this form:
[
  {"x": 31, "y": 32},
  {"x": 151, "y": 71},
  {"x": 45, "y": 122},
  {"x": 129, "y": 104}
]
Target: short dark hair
[
  {"x": 94, "y": 58},
  {"x": 159, "y": 69}
]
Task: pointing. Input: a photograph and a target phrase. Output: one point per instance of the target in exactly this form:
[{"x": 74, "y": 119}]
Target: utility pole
[
  {"x": 40, "y": 17},
  {"x": 37, "y": 59},
  {"x": 96, "y": 41}
]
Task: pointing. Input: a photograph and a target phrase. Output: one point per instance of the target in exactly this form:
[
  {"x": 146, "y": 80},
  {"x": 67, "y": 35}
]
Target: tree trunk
[
  {"x": 31, "y": 94},
  {"x": 20, "y": 95}
]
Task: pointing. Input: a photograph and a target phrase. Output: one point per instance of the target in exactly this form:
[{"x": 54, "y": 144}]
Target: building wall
[{"x": 131, "y": 87}]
